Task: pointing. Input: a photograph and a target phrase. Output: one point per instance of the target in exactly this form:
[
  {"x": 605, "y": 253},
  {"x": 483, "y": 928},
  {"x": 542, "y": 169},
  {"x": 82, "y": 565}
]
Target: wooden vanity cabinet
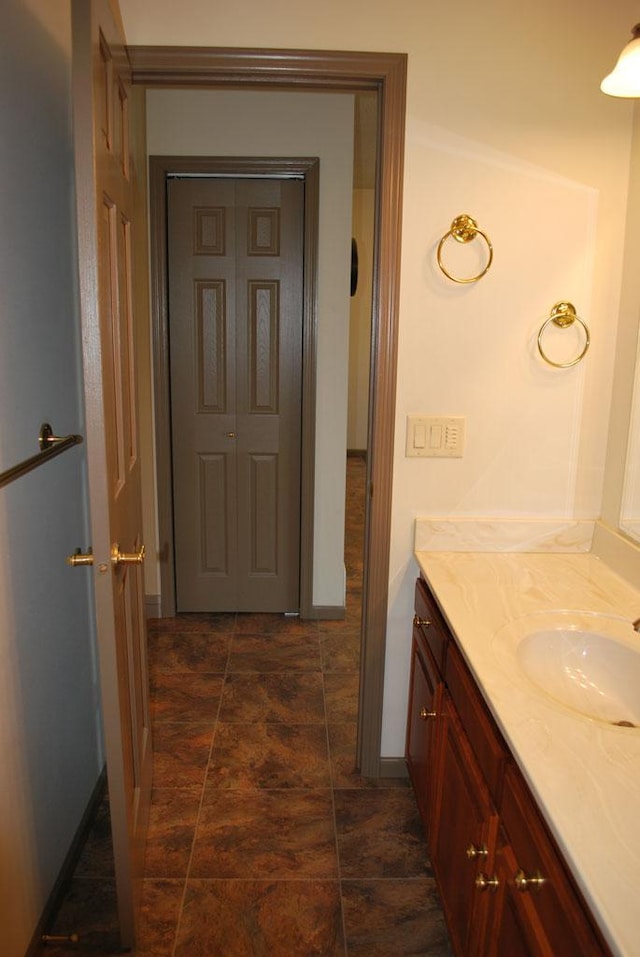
[{"x": 505, "y": 889}]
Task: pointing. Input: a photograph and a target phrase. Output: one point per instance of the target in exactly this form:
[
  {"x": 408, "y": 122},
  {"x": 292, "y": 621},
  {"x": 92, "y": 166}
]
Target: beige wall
[{"x": 505, "y": 121}]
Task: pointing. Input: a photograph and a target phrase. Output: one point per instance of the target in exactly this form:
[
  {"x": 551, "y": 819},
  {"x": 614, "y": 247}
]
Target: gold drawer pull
[
  {"x": 425, "y": 715},
  {"x": 421, "y": 622},
  {"x": 484, "y": 883},
  {"x": 473, "y": 851},
  {"x": 524, "y": 883}
]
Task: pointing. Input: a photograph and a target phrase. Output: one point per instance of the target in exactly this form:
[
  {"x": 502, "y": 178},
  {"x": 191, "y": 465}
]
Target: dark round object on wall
[{"x": 354, "y": 267}]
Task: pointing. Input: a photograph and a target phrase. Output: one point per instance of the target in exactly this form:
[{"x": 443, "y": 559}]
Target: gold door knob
[
  {"x": 80, "y": 558},
  {"x": 126, "y": 558},
  {"x": 421, "y": 622},
  {"x": 425, "y": 715},
  {"x": 473, "y": 851},
  {"x": 484, "y": 883},
  {"x": 524, "y": 883}
]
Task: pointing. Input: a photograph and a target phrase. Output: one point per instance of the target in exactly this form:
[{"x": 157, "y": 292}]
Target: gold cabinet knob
[
  {"x": 524, "y": 883},
  {"x": 421, "y": 622},
  {"x": 425, "y": 715},
  {"x": 80, "y": 558},
  {"x": 484, "y": 883},
  {"x": 126, "y": 558},
  {"x": 473, "y": 851}
]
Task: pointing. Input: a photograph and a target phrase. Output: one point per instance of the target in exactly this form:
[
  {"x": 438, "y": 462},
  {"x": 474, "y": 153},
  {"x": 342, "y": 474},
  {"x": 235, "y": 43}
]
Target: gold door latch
[
  {"x": 80, "y": 558},
  {"x": 126, "y": 558}
]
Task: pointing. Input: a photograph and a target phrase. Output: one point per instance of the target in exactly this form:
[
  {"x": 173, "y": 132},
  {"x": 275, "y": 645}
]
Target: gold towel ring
[
  {"x": 564, "y": 315},
  {"x": 464, "y": 229}
]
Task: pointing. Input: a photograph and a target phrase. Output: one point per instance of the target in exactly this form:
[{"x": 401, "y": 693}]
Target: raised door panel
[
  {"x": 201, "y": 234},
  {"x": 464, "y": 839},
  {"x": 422, "y": 751},
  {"x": 539, "y": 882},
  {"x": 269, "y": 394},
  {"x": 515, "y": 929}
]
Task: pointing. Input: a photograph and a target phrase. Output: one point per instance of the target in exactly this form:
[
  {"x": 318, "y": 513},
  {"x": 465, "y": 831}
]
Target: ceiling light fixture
[{"x": 624, "y": 80}]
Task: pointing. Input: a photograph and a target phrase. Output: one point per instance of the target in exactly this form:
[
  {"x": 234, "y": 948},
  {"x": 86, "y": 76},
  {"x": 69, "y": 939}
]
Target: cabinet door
[
  {"x": 515, "y": 929},
  {"x": 538, "y": 889},
  {"x": 425, "y": 695},
  {"x": 464, "y": 839}
]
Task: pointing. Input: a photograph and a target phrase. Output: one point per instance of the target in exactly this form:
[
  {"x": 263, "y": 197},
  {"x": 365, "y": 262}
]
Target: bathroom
[{"x": 505, "y": 121}]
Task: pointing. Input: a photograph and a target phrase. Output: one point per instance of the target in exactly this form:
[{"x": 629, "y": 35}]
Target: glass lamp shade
[{"x": 624, "y": 80}]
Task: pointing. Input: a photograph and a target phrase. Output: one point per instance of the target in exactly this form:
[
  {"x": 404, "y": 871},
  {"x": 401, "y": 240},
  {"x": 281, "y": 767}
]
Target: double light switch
[{"x": 437, "y": 436}]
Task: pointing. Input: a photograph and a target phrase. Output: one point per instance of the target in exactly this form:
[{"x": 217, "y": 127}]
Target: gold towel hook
[
  {"x": 463, "y": 230},
  {"x": 564, "y": 315}
]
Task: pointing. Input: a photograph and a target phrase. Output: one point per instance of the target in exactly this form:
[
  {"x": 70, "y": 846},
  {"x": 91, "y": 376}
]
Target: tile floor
[{"x": 263, "y": 839}]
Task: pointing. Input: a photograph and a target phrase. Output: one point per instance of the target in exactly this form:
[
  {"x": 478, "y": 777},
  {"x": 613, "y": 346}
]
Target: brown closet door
[{"x": 235, "y": 332}]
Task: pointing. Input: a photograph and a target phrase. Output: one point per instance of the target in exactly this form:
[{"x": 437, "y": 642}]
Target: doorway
[
  {"x": 235, "y": 289},
  {"x": 326, "y": 71}
]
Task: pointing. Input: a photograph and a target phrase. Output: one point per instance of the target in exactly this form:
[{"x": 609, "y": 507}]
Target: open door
[{"x": 105, "y": 192}]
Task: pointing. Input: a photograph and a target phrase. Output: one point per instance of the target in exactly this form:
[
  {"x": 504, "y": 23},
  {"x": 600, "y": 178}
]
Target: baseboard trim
[
  {"x": 152, "y": 606},
  {"x": 393, "y": 768},
  {"x": 327, "y": 613},
  {"x": 153, "y": 609},
  {"x": 36, "y": 947}
]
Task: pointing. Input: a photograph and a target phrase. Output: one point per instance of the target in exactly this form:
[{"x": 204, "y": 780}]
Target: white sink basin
[{"x": 587, "y": 662}]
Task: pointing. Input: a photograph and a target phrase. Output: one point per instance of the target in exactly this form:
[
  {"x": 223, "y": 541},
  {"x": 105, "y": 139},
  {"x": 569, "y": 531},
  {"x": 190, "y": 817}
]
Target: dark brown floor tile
[
  {"x": 342, "y": 756},
  {"x": 159, "y": 914},
  {"x": 341, "y": 696},
  {"x": 351, "y": 621},
  {"x": 340, "y": 651},
  {"x": 213, "y": 623},
  {"x": 189, "y": 698},
  {"x": 394, "y": 918},
  {"x": 342, "y": 760},
  {"x": 189, "y": 651},
  {"x": 90, "y": 910},
  {"x": 269, "y": 756},
  {"x": 267, "y": 624},
  {"x": 172, "y": 825},
  {"x": 380, "y": 834},
  {"x": 230, "y": 918},
  {"x": 292, "y": 698},
  {"x": 274, "y": 653},
  {"x": 283, "y": 834},
  {"x": 180, "y": 754}
]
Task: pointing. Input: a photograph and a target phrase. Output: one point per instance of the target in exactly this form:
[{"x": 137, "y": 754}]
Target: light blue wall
[{"x": 49, "y": 747}]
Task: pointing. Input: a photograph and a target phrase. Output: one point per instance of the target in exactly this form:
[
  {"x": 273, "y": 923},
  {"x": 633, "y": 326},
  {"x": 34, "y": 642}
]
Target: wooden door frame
[
  {"x": 328, "y": 71},
  {"x": 160, "y": 168}
]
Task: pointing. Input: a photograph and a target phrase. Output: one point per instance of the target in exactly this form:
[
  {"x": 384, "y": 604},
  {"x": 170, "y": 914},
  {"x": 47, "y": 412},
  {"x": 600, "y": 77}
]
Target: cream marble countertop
[{"x": 584, "y": 773}]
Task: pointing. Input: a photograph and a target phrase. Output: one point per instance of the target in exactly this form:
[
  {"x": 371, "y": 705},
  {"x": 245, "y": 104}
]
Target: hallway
[{"x": 263, "y": 840}]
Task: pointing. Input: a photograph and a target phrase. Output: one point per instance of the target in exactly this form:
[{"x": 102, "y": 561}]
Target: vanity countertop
[{"x": 584, "y": 773}]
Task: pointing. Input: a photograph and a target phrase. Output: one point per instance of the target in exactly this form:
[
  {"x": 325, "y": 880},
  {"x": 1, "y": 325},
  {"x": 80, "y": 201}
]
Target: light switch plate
[{"x": 430, "y": 436}]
